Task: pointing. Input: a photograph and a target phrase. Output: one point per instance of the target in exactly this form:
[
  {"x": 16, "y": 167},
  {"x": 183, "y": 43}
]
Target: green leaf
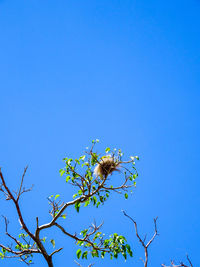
[
  {"x": 77, "y": 161},
  {"x": 80, "y": 243},
  {"x": 94, "y": 159},
  {"x": 62, "y": 172},
  {"x": 64, "y": 216},
  {"x": 4, "y": 250},
  {"x": 44, "y": 239},
  {"x": 129, "y": 250},
  {"x": 77, "y": 206},
  {"x": 1, "y": 255},
  {"x": 103, "y": 254},
  {"x": 53, "y": 242},
  {"x": 134, "y": 176},
  {"x": 67, "y": 178},
  {"x": 82, "y": 158},
  {"x": 56, "y": 196},
  {"x": 87, "y": 202},
  {"x": 78, "y": 253},
  {"x": 75, "y": 195},
  {"x": 17, "y": 246},
  {"x": 68, "y": 162},
  {"x": 80, "y": 192},
  {"x": 94, "y": 199},
  {"x": 84, "y": 255},
  {"x": 84, "y": 232},
  {"x": 115, "y": 255},
  {"x": 95, "y": 253},
  {"x": 126, "y": 195},
  {"x": 98, "y": 203},
  {"x": 124, "y": 255},
  {"x": 107, "y": 149},
  {"x": 22, "y": 234}
]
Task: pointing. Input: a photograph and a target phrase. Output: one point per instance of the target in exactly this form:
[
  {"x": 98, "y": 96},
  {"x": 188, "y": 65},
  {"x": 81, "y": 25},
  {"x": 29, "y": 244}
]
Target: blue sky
[{"x": 126, "y": 72}]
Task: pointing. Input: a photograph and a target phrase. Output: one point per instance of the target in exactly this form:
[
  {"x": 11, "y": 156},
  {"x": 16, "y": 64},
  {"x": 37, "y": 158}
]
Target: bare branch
[
  {"x": 90, "y": 265},
  {"x": 189, "y": 260},
  {"x": 181, "y": 264},
  {"x": 22, "y": 180},
  {"x": 36, "y": 239},
  {"x": 155, "y": 233},
  {"x": 55, "y": 251},
  {"x": 145, "y": 246}
]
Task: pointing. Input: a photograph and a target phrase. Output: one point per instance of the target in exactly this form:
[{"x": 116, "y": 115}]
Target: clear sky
[{"x": 123, "y": 71}]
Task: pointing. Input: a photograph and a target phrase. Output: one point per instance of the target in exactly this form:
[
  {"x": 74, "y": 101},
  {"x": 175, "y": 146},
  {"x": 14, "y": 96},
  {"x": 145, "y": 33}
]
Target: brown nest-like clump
[{"x": 106, "y": 166}]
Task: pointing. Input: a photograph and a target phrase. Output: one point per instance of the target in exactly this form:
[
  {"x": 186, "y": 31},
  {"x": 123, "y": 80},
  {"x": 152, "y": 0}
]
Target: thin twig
[{"x": 22, "y": 180}]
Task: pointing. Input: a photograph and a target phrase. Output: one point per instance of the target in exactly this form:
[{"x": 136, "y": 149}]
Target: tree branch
[
  {"x": 86, "y": 239},
  {"x": 22, "y": 222},
  {"x": 145, "y": 246},
  {"x": 181, "y": 264}
]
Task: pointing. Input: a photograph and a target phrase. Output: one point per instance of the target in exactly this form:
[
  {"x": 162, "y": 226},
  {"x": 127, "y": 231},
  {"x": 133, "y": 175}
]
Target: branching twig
[
  {"x": 145, "y": 246},
  {"x": 55, "y": 251},
  {"x": 181, "y": 264},
  {"x": 40, "y": 246},
  {"x": 22, "y": 180},
  {"x": 86, "y": 239},
  {"x": 90, "y": 265}
]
